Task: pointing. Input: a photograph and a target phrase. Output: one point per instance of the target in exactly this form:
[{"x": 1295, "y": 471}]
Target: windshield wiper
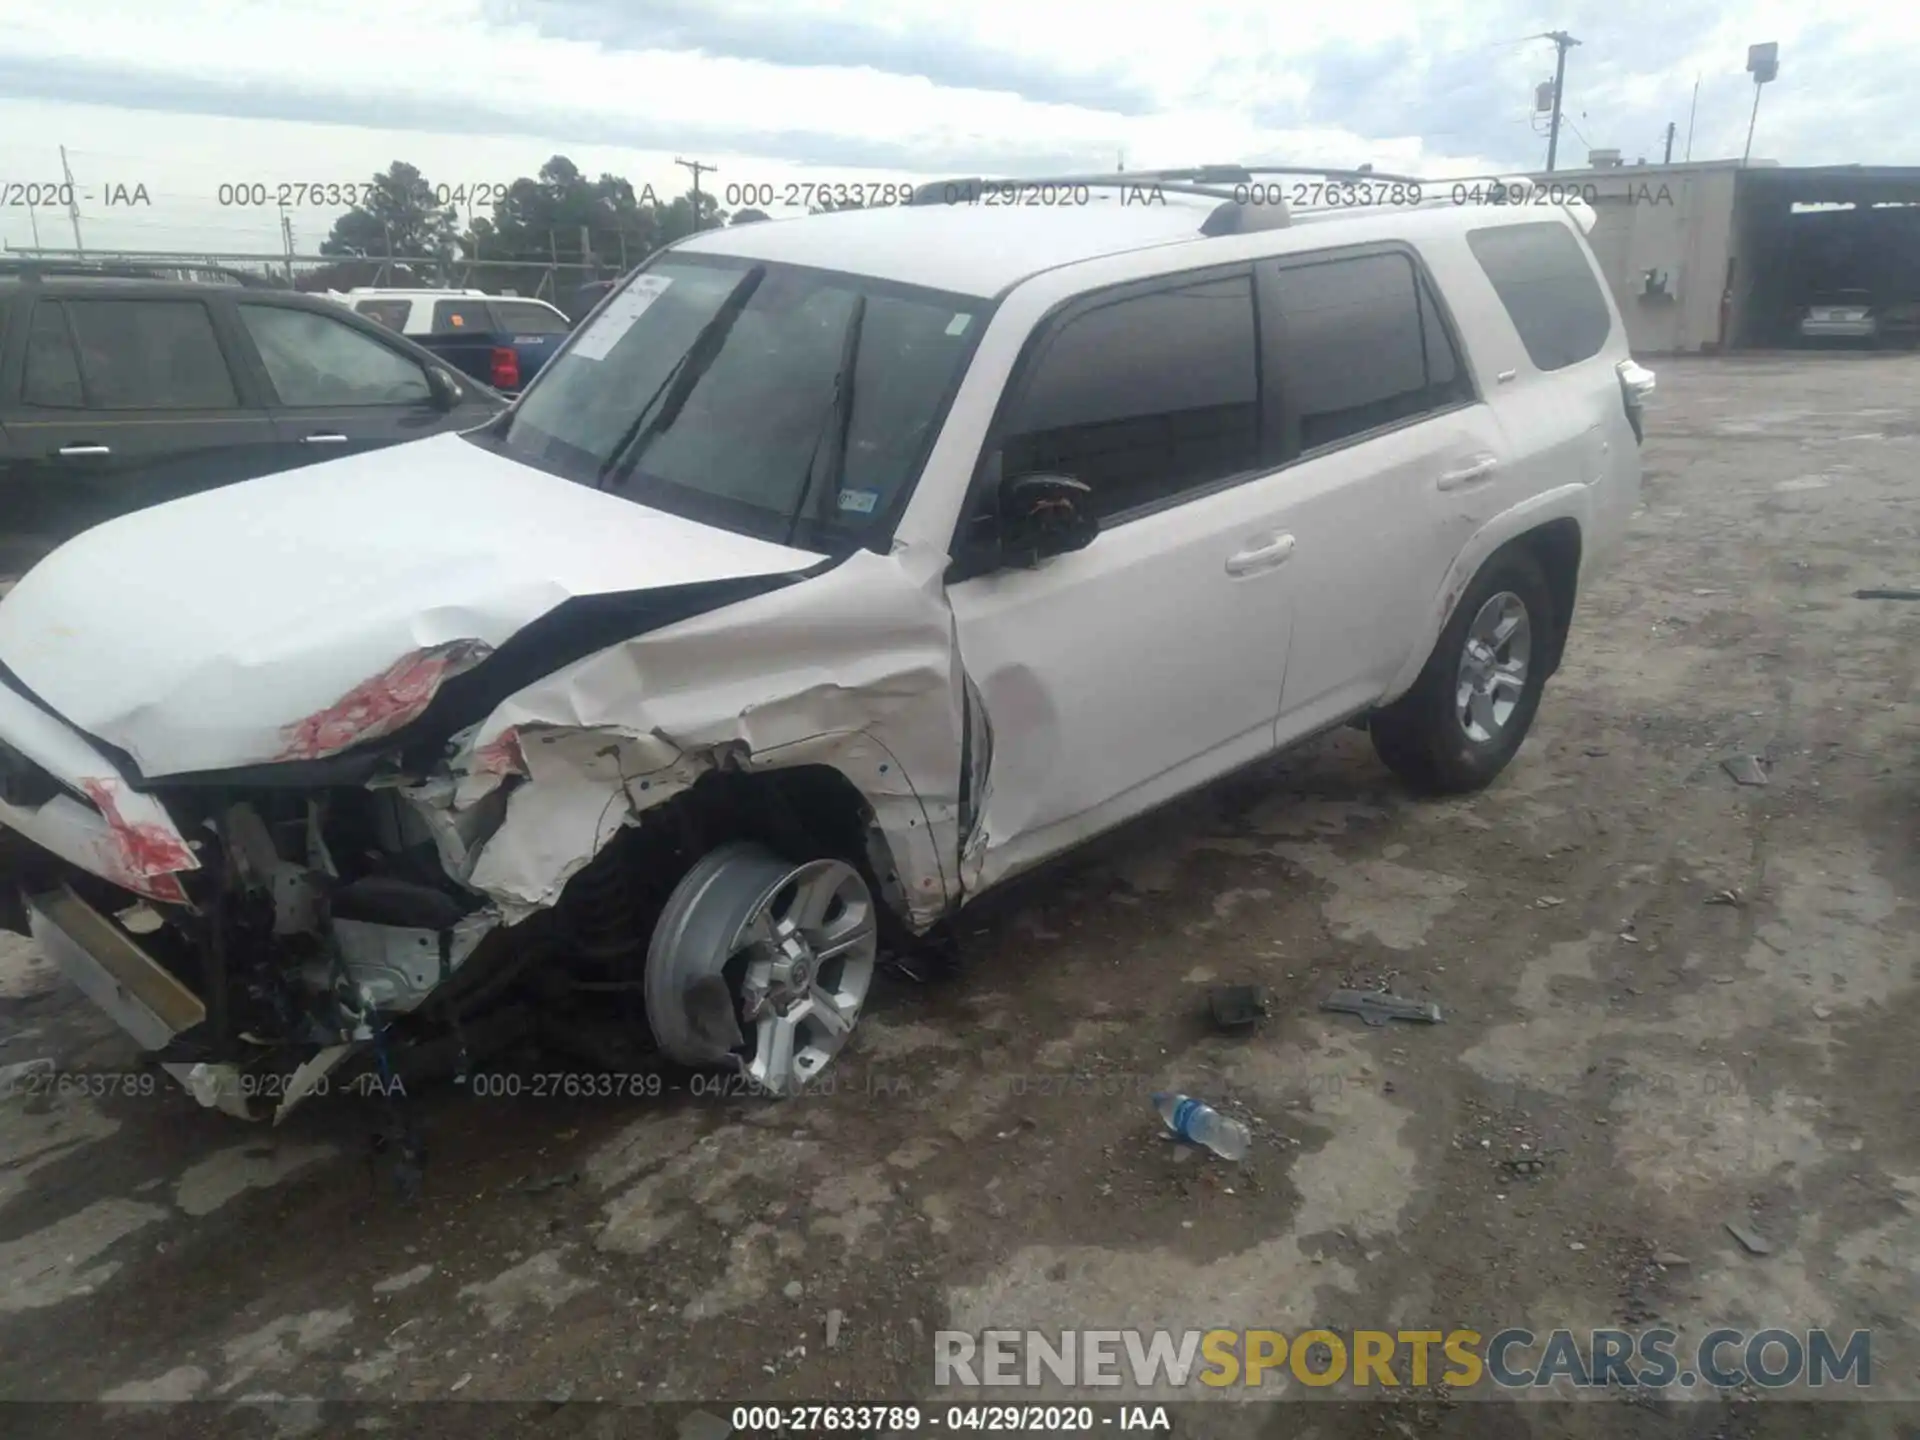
[
  {"x": 834, "y": 428},
  {"x": 672, "y": 392}
]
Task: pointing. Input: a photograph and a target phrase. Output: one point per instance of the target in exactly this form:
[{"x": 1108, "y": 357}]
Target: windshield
[{"x": 764, "y": 398}]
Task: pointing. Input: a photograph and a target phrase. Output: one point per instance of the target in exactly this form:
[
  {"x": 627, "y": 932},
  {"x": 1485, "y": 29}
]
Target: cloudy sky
[{"x": 182, "y": 96}]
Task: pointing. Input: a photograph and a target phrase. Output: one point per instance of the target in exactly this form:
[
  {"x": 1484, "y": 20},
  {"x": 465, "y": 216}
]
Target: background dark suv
[{"x": 119, "y": 390}]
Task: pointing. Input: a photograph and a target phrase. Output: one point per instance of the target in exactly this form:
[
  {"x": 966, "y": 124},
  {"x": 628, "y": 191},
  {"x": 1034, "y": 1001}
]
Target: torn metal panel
[
  {"x": 292, "y": 599},
  {"x": 115, "y": 831},
  {"x": 855, "y": 669},
  {"x": 381, "y": 704}
]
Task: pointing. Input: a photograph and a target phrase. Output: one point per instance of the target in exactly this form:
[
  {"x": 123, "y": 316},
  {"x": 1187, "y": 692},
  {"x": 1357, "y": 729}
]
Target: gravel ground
[{"x": 1670, "y": 1000}]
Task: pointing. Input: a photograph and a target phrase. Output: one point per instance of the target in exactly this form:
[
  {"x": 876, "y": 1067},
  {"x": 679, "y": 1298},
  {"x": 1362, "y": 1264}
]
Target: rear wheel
[
  {"x": 762, "y": 964},
  {"x": 1467, "y": 714}
]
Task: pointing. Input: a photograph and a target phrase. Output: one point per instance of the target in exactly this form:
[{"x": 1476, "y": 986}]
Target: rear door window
[
  {"x": 53, "y": 364},
  {"x": 1362, "y": 347},
  {"x": 150, "y": 355},
  {"x": 1542, "y": 277},
  {"x": 461, "y": 317},
  {"x": 524, "y": 317}
]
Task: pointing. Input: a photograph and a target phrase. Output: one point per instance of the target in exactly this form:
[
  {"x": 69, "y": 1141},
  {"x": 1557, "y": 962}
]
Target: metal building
[{"x": 1716, "y": 255}]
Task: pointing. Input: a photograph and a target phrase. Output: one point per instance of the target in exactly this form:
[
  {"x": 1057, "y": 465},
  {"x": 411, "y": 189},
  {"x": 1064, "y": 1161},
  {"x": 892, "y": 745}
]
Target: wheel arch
[{"x": 1550, "y": 526}]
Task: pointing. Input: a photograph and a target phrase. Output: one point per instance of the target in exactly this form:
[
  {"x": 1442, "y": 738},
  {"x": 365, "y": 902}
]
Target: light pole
[{"x": 1763, "y": 63}]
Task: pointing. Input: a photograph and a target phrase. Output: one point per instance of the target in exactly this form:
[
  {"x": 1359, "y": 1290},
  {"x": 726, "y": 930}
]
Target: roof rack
[
  {"x": 1226, "y": 183},
  {"x": 35, "y": 269},
  {"x": 1234, "y": 215}
]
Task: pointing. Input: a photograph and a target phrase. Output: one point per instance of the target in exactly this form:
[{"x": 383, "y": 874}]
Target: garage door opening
[{"x": 1830, "y": 258}]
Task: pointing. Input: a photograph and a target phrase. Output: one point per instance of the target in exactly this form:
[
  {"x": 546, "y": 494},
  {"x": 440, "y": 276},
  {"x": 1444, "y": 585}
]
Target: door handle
[
  {"x": 1261, "y": 557},
  {"x": 1481, "y": 469},
  {"x": 327, "y": 439},
  {"x": 72, "y": 450}
]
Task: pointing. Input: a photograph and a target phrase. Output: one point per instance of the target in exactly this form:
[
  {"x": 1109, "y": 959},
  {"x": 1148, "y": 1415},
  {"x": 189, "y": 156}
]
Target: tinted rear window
[
  {"x": 150, "y": 355},
  {"x": 524, "y": 317},
  {"x": 53, "y": 365},
  {"x": 461, "y": 317},
  {"x": 1542, "y": 277},
  {"x": 1364, "y": 348}
]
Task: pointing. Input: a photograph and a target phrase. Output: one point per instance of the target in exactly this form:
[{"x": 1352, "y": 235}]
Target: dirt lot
[{"x": 1625, "y": 1064}]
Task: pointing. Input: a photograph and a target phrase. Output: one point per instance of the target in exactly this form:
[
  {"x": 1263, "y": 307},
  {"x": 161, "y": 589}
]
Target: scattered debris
[
  {"x": 1629, "y": 937},
  {"x": 461, "y": 1383},
  {"x": 1548, "y": 902},
  {"x": 835, "y": 1319},
  {"x": 1754, "y": 1242},
  {"x": 1726, "y": 897},
  {"x": 1238, "y": 1007},
  {"x": 1575, "y": 1245},
  {"x": 1377, "y": 1007},
  {"x": 1886, "y": 594},
  {"x": 1746, "y": 769},
  {"x": 1198, "y": 1123},
  {"x": 794, "y": 1290},
  {"x": 1671, "y": 1261},
  {"x": 530, "y": 1186},
  {"x": 1822, "y": 1012},
  {"x": 1594, "y": 752}
]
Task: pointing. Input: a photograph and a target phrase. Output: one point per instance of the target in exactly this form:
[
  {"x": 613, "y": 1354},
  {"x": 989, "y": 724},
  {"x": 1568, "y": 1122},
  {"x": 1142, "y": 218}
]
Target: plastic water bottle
[{"x": 1199, "y": 1123}]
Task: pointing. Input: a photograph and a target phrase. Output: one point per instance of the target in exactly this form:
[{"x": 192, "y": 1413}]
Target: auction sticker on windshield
[{"x": 625, "y": 308}]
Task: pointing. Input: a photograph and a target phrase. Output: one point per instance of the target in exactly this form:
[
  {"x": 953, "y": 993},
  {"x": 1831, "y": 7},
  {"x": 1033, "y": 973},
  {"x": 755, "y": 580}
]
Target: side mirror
[
  {"x": 446, "y": 390},
  {"x": 1042, "y": 515}
]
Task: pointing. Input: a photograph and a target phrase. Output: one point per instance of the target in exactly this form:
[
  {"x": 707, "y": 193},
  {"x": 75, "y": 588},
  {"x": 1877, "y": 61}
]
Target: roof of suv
[
  {"x": 965, "y": 249},
  {"x": 975, "y": 249}
]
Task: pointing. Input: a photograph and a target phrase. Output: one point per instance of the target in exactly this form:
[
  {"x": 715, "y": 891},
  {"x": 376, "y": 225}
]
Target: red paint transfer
[
  {"x": 501, "y": 755},
  {"x": 141, "y": 855},
  {"x": 383, "y": 704}
]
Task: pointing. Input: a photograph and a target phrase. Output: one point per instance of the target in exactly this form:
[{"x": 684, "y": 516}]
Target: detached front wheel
[
  {"x": 1465, "y": 717},
  {"x": 761, "y": 965}
]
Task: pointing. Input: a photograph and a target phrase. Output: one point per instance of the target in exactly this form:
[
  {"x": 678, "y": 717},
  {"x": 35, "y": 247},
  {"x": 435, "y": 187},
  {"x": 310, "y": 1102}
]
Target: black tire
[{"x": 1421, "y": 736}]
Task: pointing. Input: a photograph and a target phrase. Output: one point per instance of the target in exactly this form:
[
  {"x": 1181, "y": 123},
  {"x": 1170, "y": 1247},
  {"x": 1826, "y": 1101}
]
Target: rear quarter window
[
  {"x": 1541, "y": 274},
  {"x": 390, "y": 313}
]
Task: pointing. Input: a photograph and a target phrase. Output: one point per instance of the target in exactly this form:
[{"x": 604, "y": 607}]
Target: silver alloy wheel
[
  {"x": 1493, "y": 667},
  {"x": 795, "y": 945}
]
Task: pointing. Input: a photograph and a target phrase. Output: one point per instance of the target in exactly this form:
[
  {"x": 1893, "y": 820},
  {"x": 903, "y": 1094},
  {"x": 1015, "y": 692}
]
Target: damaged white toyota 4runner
[{"x": 836, "y": 571}]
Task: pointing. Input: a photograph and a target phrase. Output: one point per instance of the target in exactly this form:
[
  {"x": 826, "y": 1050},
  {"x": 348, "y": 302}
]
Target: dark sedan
[{"x": 118, "y": 391}]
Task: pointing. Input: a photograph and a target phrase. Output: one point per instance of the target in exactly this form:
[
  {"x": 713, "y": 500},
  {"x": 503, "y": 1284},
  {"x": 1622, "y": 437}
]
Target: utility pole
[
  {"x": 1671, "y": 127},
  {"x": 698, "y": 168},
  {"x": 1691, "y": 113},
  {"x": 1562, "y": 42},
  {"x": 73, "y": 201}
]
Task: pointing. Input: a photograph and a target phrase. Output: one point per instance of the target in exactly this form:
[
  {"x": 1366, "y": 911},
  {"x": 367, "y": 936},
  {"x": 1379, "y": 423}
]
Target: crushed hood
[{"x": 293, "y": 616}]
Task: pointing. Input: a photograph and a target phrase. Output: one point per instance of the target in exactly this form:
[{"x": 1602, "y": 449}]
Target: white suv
[{"x": 833, "y": 573}]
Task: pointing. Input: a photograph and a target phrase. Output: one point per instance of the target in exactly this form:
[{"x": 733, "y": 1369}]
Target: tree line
[{"x": 558, "y": 217}]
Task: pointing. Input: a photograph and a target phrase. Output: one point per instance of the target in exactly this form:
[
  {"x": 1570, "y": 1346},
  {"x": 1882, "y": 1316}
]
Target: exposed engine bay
[{"x": 322, "y": 939}]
